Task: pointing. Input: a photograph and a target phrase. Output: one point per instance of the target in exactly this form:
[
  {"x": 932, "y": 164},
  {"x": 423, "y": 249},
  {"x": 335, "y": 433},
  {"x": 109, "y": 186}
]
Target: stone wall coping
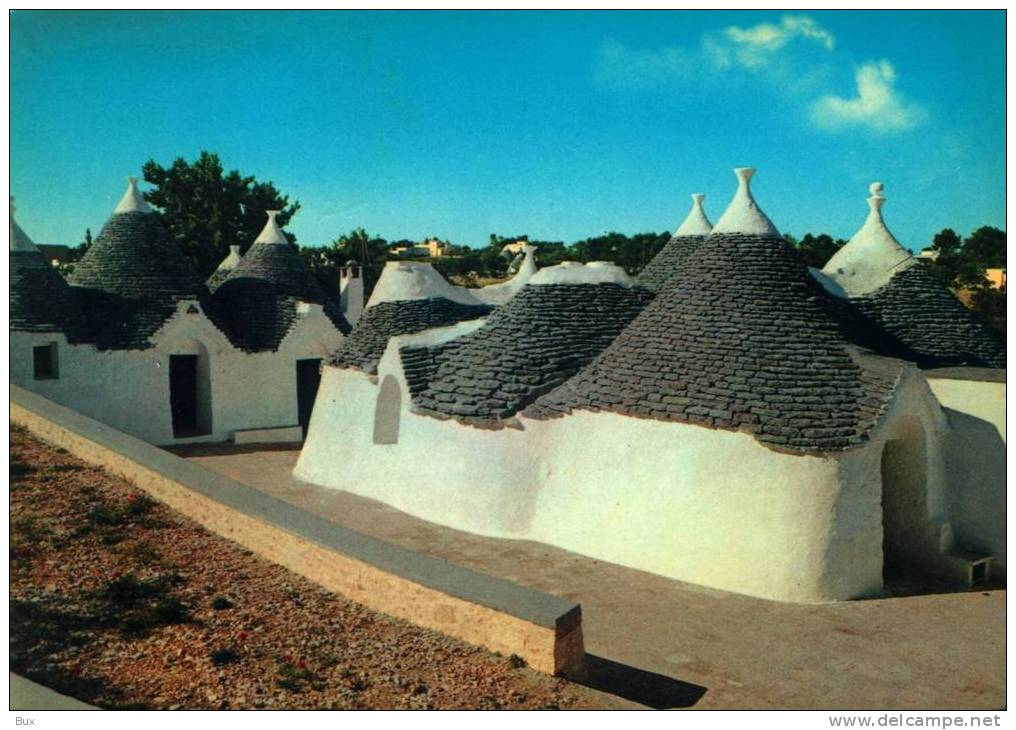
[
  {"x": 541, "y": 609},
  {"x": 982, "y": 375}
]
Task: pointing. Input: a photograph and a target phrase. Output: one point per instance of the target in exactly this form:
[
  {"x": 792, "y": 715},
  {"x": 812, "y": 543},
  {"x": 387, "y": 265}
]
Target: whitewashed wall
[
  {"x": 129, "y": 389},
  {"x": 702, "y": 505},
  {"x": 974, "y": 454}
]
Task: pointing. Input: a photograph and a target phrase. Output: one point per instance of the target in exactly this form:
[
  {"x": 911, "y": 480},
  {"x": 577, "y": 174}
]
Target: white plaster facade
[
  {"x": 129, "y": 389},
  {"x": 974, "y": 455},
  {"x": 706, "y": 506}
]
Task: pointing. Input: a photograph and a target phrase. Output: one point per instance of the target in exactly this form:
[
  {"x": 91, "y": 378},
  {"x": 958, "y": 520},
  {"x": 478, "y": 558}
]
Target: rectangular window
[{"x": 44, "y": 362}]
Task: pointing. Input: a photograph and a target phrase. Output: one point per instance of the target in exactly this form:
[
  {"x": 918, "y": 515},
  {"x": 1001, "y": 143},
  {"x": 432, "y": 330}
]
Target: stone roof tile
[{"x": 741, "y": 338}]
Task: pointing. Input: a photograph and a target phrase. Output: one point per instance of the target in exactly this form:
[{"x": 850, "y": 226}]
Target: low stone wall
[{"x": 498, "y": 615}]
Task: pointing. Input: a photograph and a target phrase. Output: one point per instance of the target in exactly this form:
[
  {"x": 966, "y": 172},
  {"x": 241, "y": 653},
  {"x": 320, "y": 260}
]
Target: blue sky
[{"x": 561, "y": 125}]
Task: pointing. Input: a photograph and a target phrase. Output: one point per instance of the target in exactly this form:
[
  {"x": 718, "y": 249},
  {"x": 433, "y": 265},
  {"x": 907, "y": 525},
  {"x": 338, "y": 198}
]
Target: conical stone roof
[
  {"x": 741, "y": 338},
  {"x": 135, "y": 257},
  {"x": 129, "y": 281},
  {"x": 224, "y": 269},
  {"x": 555, "y": 325},
  {"x": 39, "y": 297},
  {"x": 872, "y": 256},
  {"x": 409, "y": 297},
  {"x": 689, "y": 235},
  {"x": 898, "y": 293},
  {"x": 259, "y": 296}
]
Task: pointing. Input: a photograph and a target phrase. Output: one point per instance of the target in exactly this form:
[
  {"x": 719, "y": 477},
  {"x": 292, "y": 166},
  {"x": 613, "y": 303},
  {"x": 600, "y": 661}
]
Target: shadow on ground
[
  {"x": 647, "y": 688},
  {"x": 187, "y": 451}
]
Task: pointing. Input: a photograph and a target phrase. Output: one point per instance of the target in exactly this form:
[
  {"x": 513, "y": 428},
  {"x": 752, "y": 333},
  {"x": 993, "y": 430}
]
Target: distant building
[
  {"x": 928, "y": 254},
  {"x": 136, "y": 340},
  {"x": 433, "y": 247},
  {"x": 995, "y": 277},
  {"x": 514, "y": 249}
]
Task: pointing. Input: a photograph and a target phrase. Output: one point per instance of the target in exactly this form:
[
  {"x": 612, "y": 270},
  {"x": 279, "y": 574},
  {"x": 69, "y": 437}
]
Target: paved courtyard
[{"x": 668, "y": 643}]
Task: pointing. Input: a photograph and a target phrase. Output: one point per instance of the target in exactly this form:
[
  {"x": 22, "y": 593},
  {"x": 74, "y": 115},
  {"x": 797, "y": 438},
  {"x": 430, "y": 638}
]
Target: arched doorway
[
  {"x": 905, "y": 525},
  {"x": 190, "y": 389},
  {"x": 387, "y": 412}
]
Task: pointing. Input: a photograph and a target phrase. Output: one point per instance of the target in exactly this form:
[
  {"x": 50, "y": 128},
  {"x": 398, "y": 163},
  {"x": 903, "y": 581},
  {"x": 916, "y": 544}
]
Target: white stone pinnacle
[
  {"x": 873, "y": 256},
  {"x": 19, "y": 239},
  {"x": 271, "y": 233},
  {"x": 696, "y": 224},
  {"x": 232, "y": 259},
  {"x": 132, "y": 200},
  {"x": 743, "y": 214}
]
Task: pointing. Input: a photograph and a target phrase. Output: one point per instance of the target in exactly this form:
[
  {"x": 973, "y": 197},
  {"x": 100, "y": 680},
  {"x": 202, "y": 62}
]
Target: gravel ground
[{"x": 118, "y": 601}]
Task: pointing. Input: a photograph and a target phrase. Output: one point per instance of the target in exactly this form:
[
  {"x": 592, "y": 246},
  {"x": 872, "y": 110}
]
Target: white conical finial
[
  {"x": 743, "y": 214},
  {"x": 132, "y": 200},
  {"x": 271, "y": 233},
  {"x": 528, "y": 266},
  {"x": 870, "y": 259},
  {"x": 19, "y": 239},
  {"x": 696, "y": 224},
  {"x": 232, "y": 258}
]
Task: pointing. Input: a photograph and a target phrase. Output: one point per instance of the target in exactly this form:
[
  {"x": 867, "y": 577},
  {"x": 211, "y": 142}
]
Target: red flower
[
  {"x": 241, "y": 636},
  {"x": 288, "y": 658},
  {"x": 132, "y": 497},
  {"x": 302, "y": 664}
]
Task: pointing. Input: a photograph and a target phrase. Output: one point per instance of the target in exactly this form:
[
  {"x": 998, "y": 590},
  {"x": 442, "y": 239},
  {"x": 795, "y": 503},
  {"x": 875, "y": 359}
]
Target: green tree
[
  {"x": 66, "y": 267},
  {"x": 631, "y": 253},
  {"x": 371, "y": 252},
  {"x": 817, "y": 250},
  {"x": 961, "y": 264},
  {"x": 987, "y": 244},
  {"x": 207, "y": 210},
  {"x": 949, "y": 246}
]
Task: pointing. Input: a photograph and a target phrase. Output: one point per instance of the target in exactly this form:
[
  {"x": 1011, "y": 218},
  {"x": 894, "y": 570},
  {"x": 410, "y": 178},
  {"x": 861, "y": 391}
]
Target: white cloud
[
  {"x": 755, "y": 47},
  {"x": 878, "y": 106},
  {"x": 795, "y": 57}
]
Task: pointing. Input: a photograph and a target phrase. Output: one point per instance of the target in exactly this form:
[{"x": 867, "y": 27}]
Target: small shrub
[
  {"x": 171, "y": 611},
  {"x": 222, "y": 657},
  {"x": 516, "y": 662},
  {"x": 20, "y": 470},
  {"x": 127, "y": 590},
  {"x": 359, "y": 684},
  {"x": 106, "y": 516},
  {"x": 221, "y": 603},
  {"x": 295, "y": 676},
  {"x": 139, "y": 503}
]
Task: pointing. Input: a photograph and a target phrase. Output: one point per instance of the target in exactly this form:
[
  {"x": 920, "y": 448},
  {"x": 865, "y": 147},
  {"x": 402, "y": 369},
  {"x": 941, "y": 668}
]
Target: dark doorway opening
[
  {"x": 183, "y": 394},
  {"x": 308, "y": 377},
  {"x": 905, "y": 537}
]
